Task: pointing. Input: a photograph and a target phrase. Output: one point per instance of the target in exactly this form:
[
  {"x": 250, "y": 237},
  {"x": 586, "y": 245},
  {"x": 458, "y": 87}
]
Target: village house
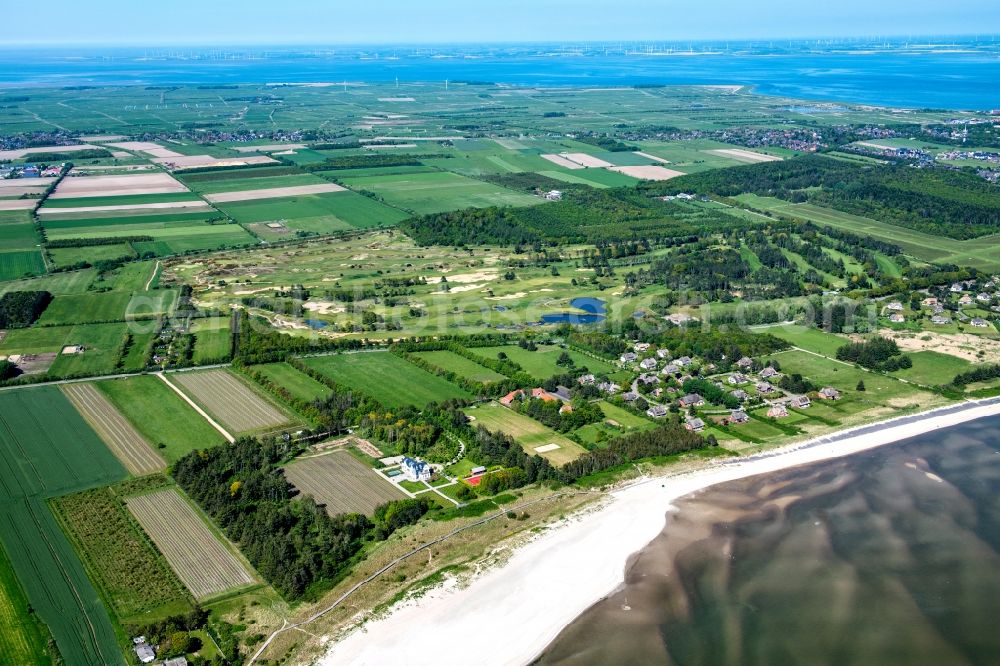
[
  {"x": 586, "y": 379},
  {"x": 657, "y": 411},
  {"x": 769, "y": 372},
  {"x": 897, "y": 318},
  {"x": 800, "y": 401},
  {"x": 628, "y": 357},
  {"x": 940, "y": 320},
  {"x": 894, "y": 306},
  {"x": 683, "y": 361},
  {"x": 670, "y": 369},
  {"x": 663, "y": 353},
  {"x": 965, "y": 300},
  {"x": 542, "y": 394},
  {"x": 609, "y": 387},
  {"x": 641, "y": 347},
  {"x": 566, "y": 408},
  {"x": 631, "y": 396},
  {"x": 829, "y": 393},
  {"x": 957, "y": 288},
  {"x": 737, "y": 378},
  {"x": 692, "y": 400},
  {"x": 929, "y": 301},
  {"x": 143, "y": 650},
  {"x": 983, "y": 297},
  {"x": 648, "y": 364},
  {"x": 553, "y": 195},
  {"x": 694, "y": 424},
  {"x": 740, "y": 395},
  {"x": 680, "y": 319},
  {"x": 415, "y": 470},
  {"x": 649, "y": 379},
  {"x": 764, "y": 387},
  {"x": 777, "y": 411},
  {"x": 979, "y": 322},
  {"x": 738, "y": 416},
  {"x": 509, "y": 399},
  {"x": 745, "y": 362}
]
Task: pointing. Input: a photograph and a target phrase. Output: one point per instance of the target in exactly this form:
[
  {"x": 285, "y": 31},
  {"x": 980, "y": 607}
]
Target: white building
[{"x": 415, "y": 470}]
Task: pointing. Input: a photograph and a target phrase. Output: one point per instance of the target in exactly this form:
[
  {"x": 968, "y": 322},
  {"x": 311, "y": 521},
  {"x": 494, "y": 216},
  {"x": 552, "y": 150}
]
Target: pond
[
  {"x": 594, "y": 310},
  {"x": 316, "y": 323}
]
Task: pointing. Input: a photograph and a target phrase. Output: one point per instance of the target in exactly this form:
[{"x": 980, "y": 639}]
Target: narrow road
[
  {"x": 211, "y": 421},
  {"x": 156, "y": 269}
]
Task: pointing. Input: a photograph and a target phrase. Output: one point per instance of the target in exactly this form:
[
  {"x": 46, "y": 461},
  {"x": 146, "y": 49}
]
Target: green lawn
[
  {"x": 541, "y": 364},
  {"x": 19, "y": 263},
  {"x": 460, "y": 365},
  {"x": 160, "y": 415},
  {"x": 933, "y": 368},
  {"x": 529, "y": 433},
  {"x": 387, "y": 378},
  {"x": 318, "y": 213},
  {"x": 212, "y": 340},
  {"x": 811, "y": 339},
  {"x": 437, "y": 192},
  {"x": 299, "y": 384}
]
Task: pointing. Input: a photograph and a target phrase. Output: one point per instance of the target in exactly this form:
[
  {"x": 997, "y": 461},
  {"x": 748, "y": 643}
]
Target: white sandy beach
[{"x": 510, "y": 614}]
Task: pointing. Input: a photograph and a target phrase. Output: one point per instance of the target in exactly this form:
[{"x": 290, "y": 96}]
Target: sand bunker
[
  {"x": 647, "y": 172},
  {"x": 75, "y": 187},
  {"x": 273, "y": 192},
  {"x": 744, "y": 155},
  {"x": 270, "y": 148},
  {"x": 559, "y": 160},
  {"x": 186, "y": 205}
]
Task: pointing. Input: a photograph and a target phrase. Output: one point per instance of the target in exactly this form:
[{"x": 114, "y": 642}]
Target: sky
[{"x": 232, "y": 22}]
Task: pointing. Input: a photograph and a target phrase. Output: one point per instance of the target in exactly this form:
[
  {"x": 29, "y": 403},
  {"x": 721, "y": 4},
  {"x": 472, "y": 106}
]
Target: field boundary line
[{"x": 211, "y": 421}]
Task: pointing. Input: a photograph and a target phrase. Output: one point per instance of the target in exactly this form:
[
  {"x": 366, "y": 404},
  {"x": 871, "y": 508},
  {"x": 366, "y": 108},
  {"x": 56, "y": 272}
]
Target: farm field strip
[
  {"x": 130, "y": 447},
  {"x": 234, "y": 403},
  {"x": 273, "y": 192},
  {"x": 534, "y": 437},
  {"x": 186, "y": 205},
  {"x": 342, "y": 483},
  {"x": 196, "y": 407},
  {"x": 204, "y": 564},
  {"x": 79, "y": 187}
]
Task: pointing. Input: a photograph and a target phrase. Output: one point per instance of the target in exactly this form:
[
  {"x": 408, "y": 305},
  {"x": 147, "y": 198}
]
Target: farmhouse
[
  {"x": 800, "y": 401},
  {"x": 657, "y": 411},
  {"x": 777, "y": 411},
  {"x": 542, "y": 394},
  {"x": 692, "y": 400},
  {"x": 694, "y": 424},
  {"x": 415, "y": 470},
  {"x": 738, "y": 416},
  {"x": 509, "y": 399},
  {"x": 566, "y": 409},
  {"x": 829, "y": 393}
]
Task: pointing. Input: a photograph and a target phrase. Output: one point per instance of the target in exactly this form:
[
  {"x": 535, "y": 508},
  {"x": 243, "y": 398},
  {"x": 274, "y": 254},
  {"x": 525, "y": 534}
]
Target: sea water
[{"x": 885, "y": 557}]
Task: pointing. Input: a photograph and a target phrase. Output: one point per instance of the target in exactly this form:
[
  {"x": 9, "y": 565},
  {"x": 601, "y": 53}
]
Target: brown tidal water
[{"x": 891, "y": 556}]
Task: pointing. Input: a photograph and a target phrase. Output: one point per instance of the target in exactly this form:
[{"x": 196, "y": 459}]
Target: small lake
[
  {"x": 316, "y": 324},
  {"x": 593, "y": 311}
]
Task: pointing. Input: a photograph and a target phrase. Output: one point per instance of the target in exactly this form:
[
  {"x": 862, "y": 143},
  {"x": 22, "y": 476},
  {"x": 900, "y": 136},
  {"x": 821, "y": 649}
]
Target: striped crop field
[
  {"x": 237, "y": 406},
  {"x": 122, "y": 438},
  {"x": 205, "y": 564},
  {"x": 342, "y": 483}
]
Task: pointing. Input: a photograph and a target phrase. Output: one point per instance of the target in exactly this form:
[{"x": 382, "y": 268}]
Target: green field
[
  {"x": 529, "y": 433},
  {"x": 626, "y": 422},
  {"x": 48, "y": 450},
  {"x": 23, "y": 636},
  {"x": 317, "y": 213},
  {"x": 932, "y": 368},
  {"x": 447, "y": 360},
  {"x": 120, "y": 200},
  {"x": 212, "y": 340},
  {"x": 807, "y": 338},
  {"x": 101, "y": 342},
  {"x": 19, "y": 263},
  {"x": 437, "y": 192},
  {"x": 299, "y": 384},
  {"x": 107, "y": 307},
  {"x": 541, "y": 364},
  {"x": 982, "y": 253},
  {"x": 387, "y": 378},
  {"x": 157, "y": 411}
]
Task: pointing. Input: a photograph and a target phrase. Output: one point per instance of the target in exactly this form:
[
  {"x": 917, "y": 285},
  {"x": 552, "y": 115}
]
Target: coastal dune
[{"x": 510, "y": 614}]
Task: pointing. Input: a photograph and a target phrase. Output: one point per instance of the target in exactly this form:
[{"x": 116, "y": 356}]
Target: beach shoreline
[{"x": 511, "y": 613}]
